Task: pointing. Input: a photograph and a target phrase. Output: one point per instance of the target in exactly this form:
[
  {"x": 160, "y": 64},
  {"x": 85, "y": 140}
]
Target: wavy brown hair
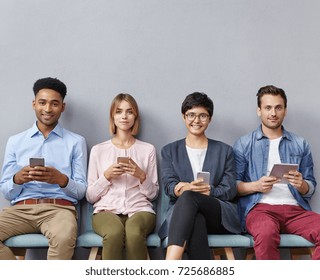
[{"x": 270, "y": 89}]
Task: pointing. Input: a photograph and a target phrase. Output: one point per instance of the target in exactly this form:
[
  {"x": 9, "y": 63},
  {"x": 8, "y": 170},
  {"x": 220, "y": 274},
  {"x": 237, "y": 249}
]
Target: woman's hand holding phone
[
  {"x": 130, "y": 167},
  {"x": 194, "y": 186},
  {"x": 199, "y": 186},
  {"x": 125, "y": 165},
  {"x": 114, "y": 170}
]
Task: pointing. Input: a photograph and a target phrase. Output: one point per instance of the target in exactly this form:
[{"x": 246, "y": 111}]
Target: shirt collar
[
  {"x": 34, "y": 130},
  {"x": 260, "y": 135}
]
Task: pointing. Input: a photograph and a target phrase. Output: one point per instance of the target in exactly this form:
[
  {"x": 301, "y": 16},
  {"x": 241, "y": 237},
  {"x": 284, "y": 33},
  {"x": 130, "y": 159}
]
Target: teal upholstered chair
[{"x": 20, "y": 243}]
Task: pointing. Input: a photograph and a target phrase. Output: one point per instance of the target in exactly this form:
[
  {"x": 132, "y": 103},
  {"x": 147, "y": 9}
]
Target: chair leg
[
  {"x": 249, "y": 254},
  {"x": 20, "y": 253},
  {"x": 95, "y": 253},
  {"x": 297, "y": 252},
  {"x": 217, "y": 253},
  {"x": 225, "y": 251},
  {"x": 229, "y": 253}
]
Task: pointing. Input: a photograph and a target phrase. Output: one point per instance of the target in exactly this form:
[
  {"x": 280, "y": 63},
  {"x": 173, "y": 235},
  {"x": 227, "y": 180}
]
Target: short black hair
[
  {"x": 270, "y": 89},
  {"x": 50, "y": 83},
  {"x": 197, "y": 99}
]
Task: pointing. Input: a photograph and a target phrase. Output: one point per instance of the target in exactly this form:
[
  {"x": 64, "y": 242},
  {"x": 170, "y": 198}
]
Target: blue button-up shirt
[
  {"x": 62, "y": 149},
  {"x": 251, "y": 155}
]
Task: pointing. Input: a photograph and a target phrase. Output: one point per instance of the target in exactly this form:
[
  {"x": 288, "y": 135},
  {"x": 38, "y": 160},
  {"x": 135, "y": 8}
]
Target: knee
[
  {"x": 134, "y": 239},
  {"x": 269, "y": 237},
  {"x": 134, "y": 229},
  {"x": 118, "y": 233},
  {"x": 186, "y": 196},
  {"x": 268, "y": 228},
  {"x": 66, "y": 236},
  {"x": 269, "y": 234},
  {"x": 315, "y": 235},
  {"x": 134, "y": 234},
  {"x": 69, "y": 227},
  {"x": 114, "y": 235}
]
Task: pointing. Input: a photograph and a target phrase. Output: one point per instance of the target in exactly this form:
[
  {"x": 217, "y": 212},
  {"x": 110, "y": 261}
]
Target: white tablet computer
[{"x": 279, "y": 169}]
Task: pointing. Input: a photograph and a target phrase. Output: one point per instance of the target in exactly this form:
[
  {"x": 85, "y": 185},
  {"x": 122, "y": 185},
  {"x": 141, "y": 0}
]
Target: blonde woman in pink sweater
[{"x": 122, "y": 182}]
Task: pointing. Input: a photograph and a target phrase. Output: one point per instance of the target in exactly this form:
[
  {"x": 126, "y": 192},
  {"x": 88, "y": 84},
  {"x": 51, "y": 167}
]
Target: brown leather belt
[{"x": 58, "y": 201}]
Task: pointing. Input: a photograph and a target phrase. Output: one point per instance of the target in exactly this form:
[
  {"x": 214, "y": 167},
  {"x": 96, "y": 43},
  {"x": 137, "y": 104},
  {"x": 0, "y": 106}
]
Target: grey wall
[{"x": 160, "y": 51}]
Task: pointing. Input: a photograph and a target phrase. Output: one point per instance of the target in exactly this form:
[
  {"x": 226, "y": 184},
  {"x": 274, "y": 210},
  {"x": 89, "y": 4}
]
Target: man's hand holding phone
[
  {"x": 49, "y": 175},
  {"x": 23, "y": 176},
  {"x": 37, "y": 171}
]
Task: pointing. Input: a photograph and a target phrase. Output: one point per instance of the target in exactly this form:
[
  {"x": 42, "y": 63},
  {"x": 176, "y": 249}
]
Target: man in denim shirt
[{"x": 266, "y": 206}]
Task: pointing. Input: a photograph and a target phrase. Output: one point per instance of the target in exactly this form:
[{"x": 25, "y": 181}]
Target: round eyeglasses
[{"x": 203, "y": 117}]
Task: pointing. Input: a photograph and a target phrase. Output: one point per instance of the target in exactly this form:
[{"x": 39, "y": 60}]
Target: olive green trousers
[{"x": 124, "y": 237}]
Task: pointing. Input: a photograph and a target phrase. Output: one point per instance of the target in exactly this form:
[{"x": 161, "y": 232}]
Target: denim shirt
[{"x": 251, "y": 155}]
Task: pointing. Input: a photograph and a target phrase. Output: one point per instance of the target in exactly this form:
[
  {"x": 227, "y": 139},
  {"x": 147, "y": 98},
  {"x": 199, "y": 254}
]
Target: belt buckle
[{"x": 40, "y": 200}]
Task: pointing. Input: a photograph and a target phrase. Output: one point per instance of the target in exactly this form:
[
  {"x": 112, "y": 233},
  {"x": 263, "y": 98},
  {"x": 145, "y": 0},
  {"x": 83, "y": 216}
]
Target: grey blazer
[{"x": 219, "y": 161}]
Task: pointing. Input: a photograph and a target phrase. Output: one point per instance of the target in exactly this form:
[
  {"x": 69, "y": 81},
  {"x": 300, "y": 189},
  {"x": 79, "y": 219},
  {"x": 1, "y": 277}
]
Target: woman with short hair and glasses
[{"x": 197, "y": 208}]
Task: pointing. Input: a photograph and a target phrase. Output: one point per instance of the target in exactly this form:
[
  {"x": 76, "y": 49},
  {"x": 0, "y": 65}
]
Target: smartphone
[
  {"x": 123, "y": 160},
  {"x": 205, "y": 176},
  {"x": 36, "y": 162}
]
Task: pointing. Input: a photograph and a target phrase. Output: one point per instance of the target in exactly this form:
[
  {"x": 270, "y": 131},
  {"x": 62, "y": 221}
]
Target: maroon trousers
[{"x": 265, "y": 222}]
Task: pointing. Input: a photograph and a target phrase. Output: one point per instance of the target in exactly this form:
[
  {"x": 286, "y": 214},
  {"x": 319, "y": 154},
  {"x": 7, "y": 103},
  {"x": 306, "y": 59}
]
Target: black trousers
[{"x": 194, "y": 216}]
